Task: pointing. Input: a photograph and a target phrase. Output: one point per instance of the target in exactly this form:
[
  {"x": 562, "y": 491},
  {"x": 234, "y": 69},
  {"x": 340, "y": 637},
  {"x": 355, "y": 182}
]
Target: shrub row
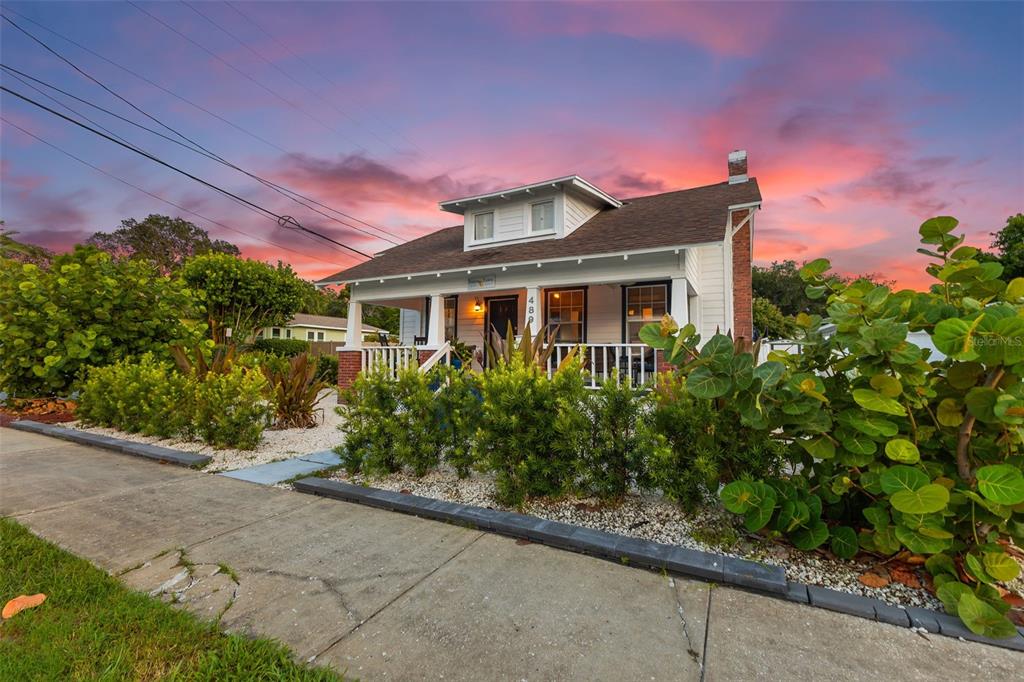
[
  {"x": 543, "y": 436},
  {"x": 149, "y": 396}
]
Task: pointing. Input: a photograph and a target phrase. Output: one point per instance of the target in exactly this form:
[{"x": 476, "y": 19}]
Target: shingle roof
[
  {"x": 689, "y": 216},
  {"x": 325, "y": 321}
]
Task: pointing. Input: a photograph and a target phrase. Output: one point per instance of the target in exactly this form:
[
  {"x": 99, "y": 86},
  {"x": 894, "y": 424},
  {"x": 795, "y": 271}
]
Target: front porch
[{"x": 605, "y": 317}]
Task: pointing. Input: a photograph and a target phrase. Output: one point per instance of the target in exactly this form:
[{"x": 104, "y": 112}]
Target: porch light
[
  {"x": 478, "y": 307},
  {"x": 557, "y": 295}
]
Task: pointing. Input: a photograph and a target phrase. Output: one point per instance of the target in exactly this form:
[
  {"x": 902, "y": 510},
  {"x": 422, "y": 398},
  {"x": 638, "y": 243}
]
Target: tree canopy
[
  {"x": 167, "y": 242},
  {"x": 780, "y": 284},
  {"x": 1009, "y": 242},
  {"x": 243, "y": 295}
]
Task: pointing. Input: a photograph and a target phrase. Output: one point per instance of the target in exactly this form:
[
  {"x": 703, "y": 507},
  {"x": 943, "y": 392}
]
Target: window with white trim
[
  {"x": 275, "y": 333},
  {"x": 319, "y": 336},
  {"x": 542, "y": 216},
  {"x": 483, "y": 226},
  {"x": 645, "y": 303},
  {"x": 310, "y": 336},
  {"x": 566, "y": 312}
]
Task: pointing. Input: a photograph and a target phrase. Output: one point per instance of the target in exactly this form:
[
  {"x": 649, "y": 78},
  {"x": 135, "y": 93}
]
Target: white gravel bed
[
  {"x": 274, "y": 446},
  {"x": 650, "y": 517}
]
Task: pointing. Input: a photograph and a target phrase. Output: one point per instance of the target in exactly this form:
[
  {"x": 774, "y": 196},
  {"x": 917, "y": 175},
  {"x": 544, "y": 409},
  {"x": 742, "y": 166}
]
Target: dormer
[{"x": 552, "y": 209}]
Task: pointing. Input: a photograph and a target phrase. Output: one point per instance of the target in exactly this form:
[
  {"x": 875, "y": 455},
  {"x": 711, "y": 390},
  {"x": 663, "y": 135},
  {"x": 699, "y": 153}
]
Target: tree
[
  {"x": 380, "y": 316},
  {"x": 85, "y": 309},
  {"x": 20, "y": 251},
  {"x": 243, "y": 295},
  {"x": 166, "y": 241},
  {"x": 780, "y": 283},
  {"x": 770, "y": 323},
  {"x": 1009, "y": 241}
]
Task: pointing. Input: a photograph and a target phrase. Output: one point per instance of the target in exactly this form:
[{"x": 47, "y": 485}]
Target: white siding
[
  {"x": 577, "y": 212},
  {"x": 510, "y": 222},
  {"x": 711, "y": 286},
  {"x": 409, "y": 325}
]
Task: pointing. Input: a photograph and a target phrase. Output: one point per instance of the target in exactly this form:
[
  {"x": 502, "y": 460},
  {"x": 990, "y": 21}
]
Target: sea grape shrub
[{"x": 892, "y": 449}]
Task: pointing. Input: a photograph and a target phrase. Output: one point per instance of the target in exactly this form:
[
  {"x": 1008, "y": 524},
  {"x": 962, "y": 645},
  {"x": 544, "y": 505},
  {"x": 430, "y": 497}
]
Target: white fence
[
  {"x": 636, "y": 361},
  {"x": 394, "y": 358}
]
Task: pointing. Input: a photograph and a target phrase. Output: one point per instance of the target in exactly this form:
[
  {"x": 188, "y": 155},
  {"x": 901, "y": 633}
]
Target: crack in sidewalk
[
  {"x": 396, "y": 598},
  {"x": 697, "y": 657}
]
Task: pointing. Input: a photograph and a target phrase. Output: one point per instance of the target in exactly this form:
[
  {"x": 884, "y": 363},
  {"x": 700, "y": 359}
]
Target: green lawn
[{"x": 92, "y": 627}]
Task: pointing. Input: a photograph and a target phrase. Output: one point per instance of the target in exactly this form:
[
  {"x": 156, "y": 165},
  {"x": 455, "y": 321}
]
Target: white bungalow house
[
  {"x": 315, "y": 328},
  {"x": 565, "y": 256}
]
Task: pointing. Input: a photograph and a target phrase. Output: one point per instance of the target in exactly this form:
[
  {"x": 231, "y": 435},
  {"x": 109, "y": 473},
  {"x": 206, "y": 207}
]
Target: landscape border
[{"x": 674, "y": 559}]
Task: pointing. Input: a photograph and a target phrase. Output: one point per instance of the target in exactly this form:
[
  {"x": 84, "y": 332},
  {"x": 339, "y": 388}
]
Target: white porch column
[
  {"x": 680, "y": 310},
  {"x": 532, "y": 314},
  {"x": 435, "y": 325},
  {"x": 354, "y": 330}
]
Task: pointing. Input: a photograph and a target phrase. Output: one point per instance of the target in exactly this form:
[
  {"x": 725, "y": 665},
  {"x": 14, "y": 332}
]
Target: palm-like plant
[
  {"x": 295, "y": 389},
  {"x": 532, "y": 349}
]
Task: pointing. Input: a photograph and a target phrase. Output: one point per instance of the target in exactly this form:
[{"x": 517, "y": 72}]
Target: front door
[{"x": 501, "y": 311}]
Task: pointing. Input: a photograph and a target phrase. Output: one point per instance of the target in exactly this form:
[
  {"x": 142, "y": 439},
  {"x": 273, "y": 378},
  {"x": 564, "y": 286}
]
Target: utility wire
[
  {"x": 245, "y": 75},
  {"x": 283, "y": 221},
  {"x": 314, "y": 69},
  {"x": 160, "y": 198},
  {"x": 198, "y": 147}
]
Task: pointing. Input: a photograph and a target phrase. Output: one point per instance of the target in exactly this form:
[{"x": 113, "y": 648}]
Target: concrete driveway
[{"x": 387, "y": 596}]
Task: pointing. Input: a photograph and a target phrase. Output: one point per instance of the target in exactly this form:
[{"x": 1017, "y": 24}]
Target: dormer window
[
  {"x": 483, "y": 226},
  {"x": 542, "y": 217}
]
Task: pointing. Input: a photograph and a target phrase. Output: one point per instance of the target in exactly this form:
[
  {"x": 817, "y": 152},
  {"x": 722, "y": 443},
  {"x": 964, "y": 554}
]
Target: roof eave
[{"x": 459, "y": 206}]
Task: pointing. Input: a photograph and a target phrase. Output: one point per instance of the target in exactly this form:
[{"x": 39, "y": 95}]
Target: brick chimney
[{"x": 737, "y": 166}]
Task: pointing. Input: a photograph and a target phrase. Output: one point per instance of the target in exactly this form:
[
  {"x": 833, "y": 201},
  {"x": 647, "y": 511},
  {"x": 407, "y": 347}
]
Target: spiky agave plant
[
  {"x": 295, "y": 389},
  {"x": 532, "y": 349}
]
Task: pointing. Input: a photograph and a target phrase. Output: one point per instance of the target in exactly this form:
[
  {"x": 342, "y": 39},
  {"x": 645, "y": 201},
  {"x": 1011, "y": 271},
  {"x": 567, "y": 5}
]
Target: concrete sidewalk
[{"x": 388, "y": 596}]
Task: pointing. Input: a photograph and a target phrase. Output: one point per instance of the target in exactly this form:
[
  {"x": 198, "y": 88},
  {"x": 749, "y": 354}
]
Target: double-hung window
[
  {"x": 566, "y": 311},
  {"x": 309, "y": 336},
  {"x": 483, "y": 226},
  {"x": 645, "y": 303},
  {"x": 542, "y": 217}
]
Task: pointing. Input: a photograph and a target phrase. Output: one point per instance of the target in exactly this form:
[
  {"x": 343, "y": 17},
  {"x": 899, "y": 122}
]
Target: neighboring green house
[{"x": 316, "y": 328}]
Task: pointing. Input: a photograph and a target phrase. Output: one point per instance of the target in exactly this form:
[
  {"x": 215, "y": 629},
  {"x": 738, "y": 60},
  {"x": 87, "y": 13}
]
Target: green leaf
[
  {"x": 815, "y": 268},
  {"x": 949, "y": 594},
  {"x": 902, "y": 450},
  {"x": 1001, "y": 566},
  {"x": 919, "y": 543},
  {"x": 703, "y": 383},
  {"x": 933, "y": 229},
  {"x": 983, "y": 619},
  {"x": 925, "y": 500},
  {"x": 876, "y": 402},
  {"x": 1015, "y": 289},
  {"x": 888, "y": 386},
  {"x": 981, "y": 402},
  {"x": 807, "y": 539},
  {"x": 820, "y": 447},
  {"x": 954, "y": 336},
  {"x": 976, "y": 568},
  {"x": 963, "y": 375},
  {"x": 877, "y": 517},
  {"x": 902, "y": 478},
  {"x": 844, "y": 542},
  {"x": 1002, "y": 483},
  {"x": 868, "y": 423},
  {"x": 769, "y": 373},
  {"x": 651, "y": 334},
  {"x": 938, "y": 564},
  {"x": 738, "y": 497},
  {"x": 949, "y": 413}
]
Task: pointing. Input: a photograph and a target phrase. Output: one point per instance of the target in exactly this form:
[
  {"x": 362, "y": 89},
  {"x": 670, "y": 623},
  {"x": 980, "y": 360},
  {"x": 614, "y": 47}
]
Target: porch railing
[
  {"x": 394, "y": 358},
  {"x": 636, "y": 361}
]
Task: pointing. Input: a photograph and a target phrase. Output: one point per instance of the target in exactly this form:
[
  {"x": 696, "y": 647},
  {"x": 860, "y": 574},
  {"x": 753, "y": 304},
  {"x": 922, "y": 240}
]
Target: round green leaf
[
  {"x": 807, "y": 539},
  {"x": 703, "y": 383},
  {"x": 964, "y": 375},
  {"x": 918, "y": 543},
  {"x": 888, "y": 386},
  {"x": 738, "y": 497},
  {"x": 820, "y": 447},
  {"x": 925, "y": 500},
  {"x": 902, "y": 478},
  {"x": 902, "y": 450},
  {"x": 1001, "y": 566},
  {"x": 844, "y": 542},
  {"x": 939, "y": 564},
  {"x": 954, "y": 336},
  {"x": 949, "y": 593},
  {"x": 876, "y": 402},
  {"x": 933, "y": 229},
  {"x": 949, "y": 413},
  {"x": 983, "y": 619},
  {"x": 1001, "y": 483}
]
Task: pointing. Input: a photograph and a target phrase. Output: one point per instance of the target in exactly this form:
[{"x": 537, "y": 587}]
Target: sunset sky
[{"x": 860, "y": 119}]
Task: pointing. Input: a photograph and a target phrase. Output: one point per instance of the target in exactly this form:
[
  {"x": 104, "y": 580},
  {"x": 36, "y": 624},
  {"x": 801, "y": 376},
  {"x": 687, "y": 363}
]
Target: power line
[
  {"x": 283, "y": 221},
  {"x": 245, "y": 75},
  {"x": 158, "y": 197},
  {"x": 196, "y": 146},
  {"x": 312, "y": 68}
]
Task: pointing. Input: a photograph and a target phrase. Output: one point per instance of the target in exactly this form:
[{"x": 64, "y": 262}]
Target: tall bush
[
  {"x": 458, "y": 408},
  {"x": 893, "y": 450},
  {"x": 243, "y": 295},
  {"x": 84, "y": 309},
  {"x": 523, "y": 417}
]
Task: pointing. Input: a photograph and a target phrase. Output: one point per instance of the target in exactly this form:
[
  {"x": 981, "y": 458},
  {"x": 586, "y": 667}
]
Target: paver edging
[
  {"x": 127, "y": 447},
  {"x": 750, "y": 575}
]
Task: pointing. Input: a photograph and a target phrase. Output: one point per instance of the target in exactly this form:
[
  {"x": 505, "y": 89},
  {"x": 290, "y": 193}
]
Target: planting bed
[
  {"x": 275, "y": 444},
  {"x": 708, "y": 529}
]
